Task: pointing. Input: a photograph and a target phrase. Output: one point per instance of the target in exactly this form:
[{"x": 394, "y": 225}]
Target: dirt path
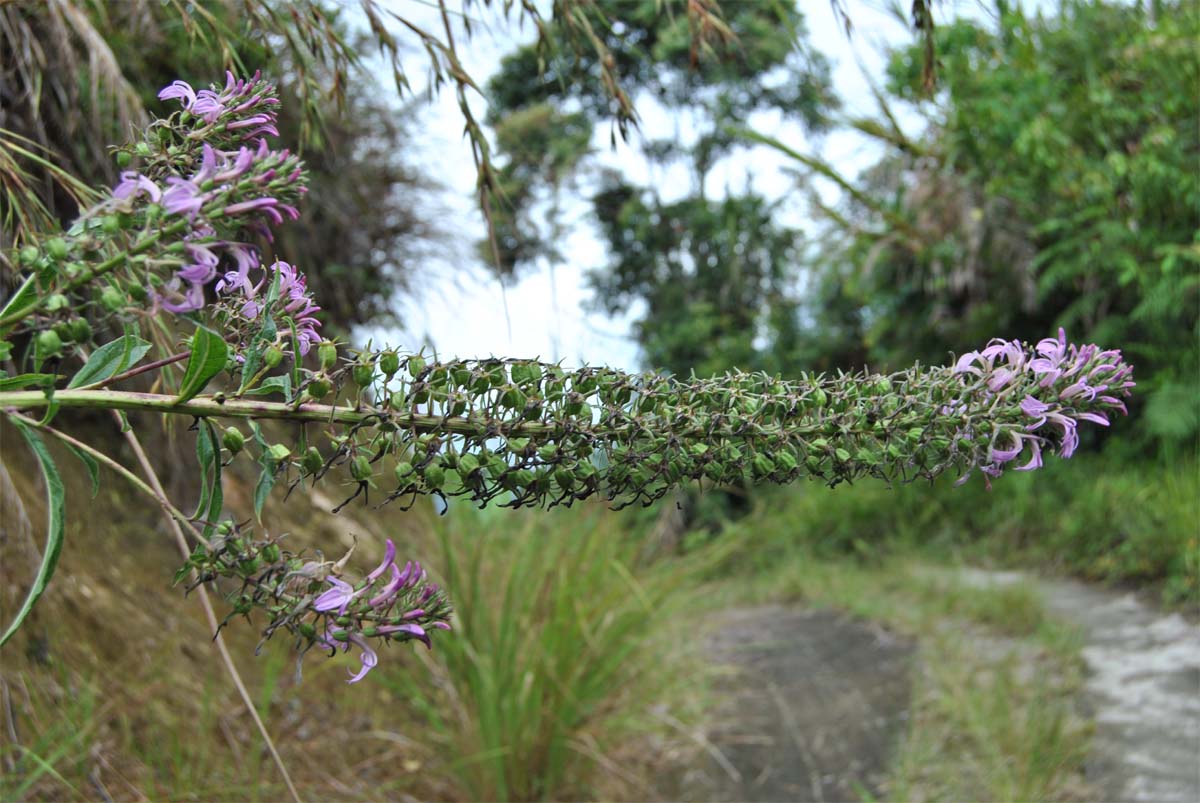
[
  {"x": 815, "y": 702},
  {"x": 1143, "y": 688}
]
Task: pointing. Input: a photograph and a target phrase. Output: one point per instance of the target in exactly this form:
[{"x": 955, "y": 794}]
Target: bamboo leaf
[{"x": 55, "y": 514}]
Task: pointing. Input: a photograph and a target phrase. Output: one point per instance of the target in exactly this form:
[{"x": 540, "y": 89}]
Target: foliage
[
  {"x": 713, "y": 274},
  {"x": 1104, "y": 520},
  {"x": 1055, "y": 186}
]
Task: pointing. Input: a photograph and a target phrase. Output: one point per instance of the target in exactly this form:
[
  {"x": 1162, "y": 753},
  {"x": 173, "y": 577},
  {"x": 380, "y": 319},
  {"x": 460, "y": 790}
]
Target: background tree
[
  {"x": 1056, "y": 185},
  {"x": 713, "y": 275}
]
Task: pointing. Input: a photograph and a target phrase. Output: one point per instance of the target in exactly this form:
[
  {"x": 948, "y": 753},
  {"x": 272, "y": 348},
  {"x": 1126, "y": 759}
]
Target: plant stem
[{"x": 222, "y": 407}]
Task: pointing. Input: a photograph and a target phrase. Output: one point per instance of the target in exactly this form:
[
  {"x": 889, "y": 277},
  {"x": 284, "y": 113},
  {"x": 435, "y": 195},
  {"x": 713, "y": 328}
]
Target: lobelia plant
[{"x": 175, "y": 246}]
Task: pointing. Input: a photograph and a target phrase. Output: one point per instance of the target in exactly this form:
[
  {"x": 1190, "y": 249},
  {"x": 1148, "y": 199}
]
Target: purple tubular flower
[
  {"x": 389, "y": 559},
  {"x": 134, "y": 184},
  {"x": 339, "y": 597},
  {"x": 180, "y": 90},
  {"x": 294, "y": 299},
  {"x": 368, "y": 658},
  {"x": 183, "y": 197},
  {"x": 416, "y": 631}
]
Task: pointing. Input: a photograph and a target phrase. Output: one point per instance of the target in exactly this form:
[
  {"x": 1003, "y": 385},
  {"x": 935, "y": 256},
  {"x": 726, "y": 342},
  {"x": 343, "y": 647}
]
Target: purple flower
[
  {"x": 134, "y": 184},
  {"x": 183, "y": 197},
  {"x": 368, "y": 658},
  {"x": 339, "y": 597},
  {"x": 181, "y": 90},
  {"x": 414, "y": 630},
  {"x": 244, "y": 106}
]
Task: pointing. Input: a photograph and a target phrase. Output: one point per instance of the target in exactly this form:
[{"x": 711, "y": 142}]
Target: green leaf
[
  {"x": 93, "y": 467},
  {"x": 261, "y": 340},
  {"x": 273, "y": 384},
  {"x": 266, "y": 481},
  {"x": 110, "y": 359},
  {"x": 217, "y": 496},
  {"x": 25, "y": 380},
  {"x": 55, "y": 514},
  {"x": 209, "y": 354},
  {"x": 24, "y": 299},
  {"x": 207, "y": 453}
]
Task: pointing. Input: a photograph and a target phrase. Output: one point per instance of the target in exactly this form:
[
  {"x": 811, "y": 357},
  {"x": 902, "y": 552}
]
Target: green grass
[
  {"x": 1099, "y": 518},
  {"x": 566, "y": 635}
]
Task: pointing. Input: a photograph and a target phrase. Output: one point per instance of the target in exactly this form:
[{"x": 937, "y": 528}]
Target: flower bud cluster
[
  {"x": 312, "y": 601},
  {"x": 529, "y": 433}
]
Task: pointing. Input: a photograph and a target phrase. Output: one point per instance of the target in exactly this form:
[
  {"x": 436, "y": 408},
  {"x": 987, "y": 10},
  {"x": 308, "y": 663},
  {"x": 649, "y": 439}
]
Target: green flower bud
[
  {"x": 28, "y": 255},
  {"x": 138, "y": 293},
  {"x": 435, "y": 477},
  {"x": 312, "y": 462},
  {"x": 56, "y": 302},
  {"x": 47, "y": 345},
  {"x": 360, "y": 468},
  {"x": 327, "y": 355},
  {"x": 842, "y": 455},
  {"x": 819, "y": 398},
  {"x": 319, "y": 387},
  {"x": 57, "y": 248},
  {"x": 763, "y": 465},
  {"x": 468, "y": 464},
  {"x": 109, "y": 224},
  {"x": 416, "y": 365},
  {"x": 564, "y": 478},
  {"x": 233, "y": 440},
  {"x": 124, "y": 158},
  {"x": 112, "y": 299},
  {"x": 307, "y": 630},
  {"x": 279, "y": 453},
  {"x": 271, "y": 553},
  {"x": 389, "y": 363},
  {"x": 141, "y": 149},
  {"x": 81, "y": 330},
  {"x": 404, "y": 471},
  {"x": 272, "y": 356},
  {"x": 363, "y": 374}
]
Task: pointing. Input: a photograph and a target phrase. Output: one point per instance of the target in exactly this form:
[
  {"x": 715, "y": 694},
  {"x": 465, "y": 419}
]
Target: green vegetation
[{"x": 1094, "y": 517}]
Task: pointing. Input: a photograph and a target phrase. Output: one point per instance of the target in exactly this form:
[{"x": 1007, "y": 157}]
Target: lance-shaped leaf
[
  {"x": 110, "y": 360},
  {"x": 209, "y": 354},
  {"x": 55, "y": 514}
]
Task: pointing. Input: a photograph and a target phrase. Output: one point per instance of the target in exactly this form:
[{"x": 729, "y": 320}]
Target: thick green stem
[
  {"x": 222, "y": 407},
  {"x": 217, "y": 407}
]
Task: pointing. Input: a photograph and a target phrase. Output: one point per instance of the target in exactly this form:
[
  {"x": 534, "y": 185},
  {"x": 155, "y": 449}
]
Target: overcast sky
[{"x": 461, "y": 309}]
